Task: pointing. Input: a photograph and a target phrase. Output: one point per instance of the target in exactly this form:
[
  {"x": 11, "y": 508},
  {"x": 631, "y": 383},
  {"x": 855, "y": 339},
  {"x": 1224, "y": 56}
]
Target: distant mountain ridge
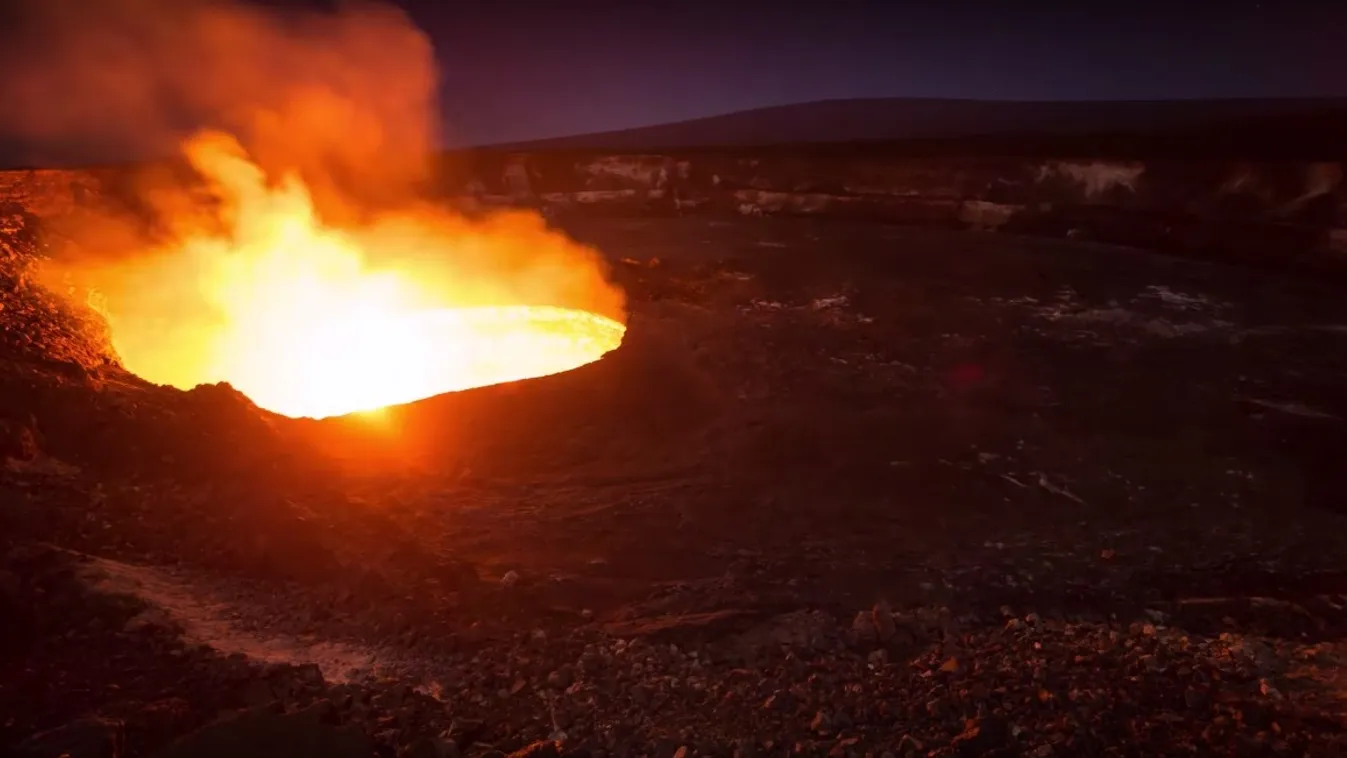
[
  {"x": 1244, "y": 129},
  {"x": 897, "y": 119}
]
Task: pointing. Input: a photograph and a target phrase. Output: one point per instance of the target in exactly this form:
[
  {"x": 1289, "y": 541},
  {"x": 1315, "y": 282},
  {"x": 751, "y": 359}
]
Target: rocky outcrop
[{"x": 1281, "y": 214}]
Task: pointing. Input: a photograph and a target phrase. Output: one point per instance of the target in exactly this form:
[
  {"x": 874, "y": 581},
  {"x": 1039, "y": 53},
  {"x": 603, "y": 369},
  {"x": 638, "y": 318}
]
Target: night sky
[
  {"x": 538, "y": 68},
  {"x": 515, "y": 70}
]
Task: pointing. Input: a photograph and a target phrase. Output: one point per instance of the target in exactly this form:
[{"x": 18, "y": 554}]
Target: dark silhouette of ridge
[
  {"x": 1236, "y": 129},
  {"x": 1316, "y": 124}
]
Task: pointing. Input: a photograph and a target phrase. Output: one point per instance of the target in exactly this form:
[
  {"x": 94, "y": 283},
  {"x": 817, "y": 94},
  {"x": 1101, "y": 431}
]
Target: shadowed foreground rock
[
  {"x": 264, "y": 733},
  {"x": 87, "y": 738}
]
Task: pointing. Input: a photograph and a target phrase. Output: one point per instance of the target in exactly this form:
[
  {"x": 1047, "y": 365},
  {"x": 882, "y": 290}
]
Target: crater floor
[{"x": 880, "y": 489}]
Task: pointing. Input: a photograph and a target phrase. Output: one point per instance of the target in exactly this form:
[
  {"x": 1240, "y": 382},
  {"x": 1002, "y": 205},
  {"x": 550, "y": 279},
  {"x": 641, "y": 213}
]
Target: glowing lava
[
  {"x": 367, "y": 358},
  {"x": 311, "y": 320}
]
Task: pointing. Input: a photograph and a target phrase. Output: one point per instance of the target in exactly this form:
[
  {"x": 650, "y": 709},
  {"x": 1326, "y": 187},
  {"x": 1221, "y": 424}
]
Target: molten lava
[{"x": 312, "y": 320}]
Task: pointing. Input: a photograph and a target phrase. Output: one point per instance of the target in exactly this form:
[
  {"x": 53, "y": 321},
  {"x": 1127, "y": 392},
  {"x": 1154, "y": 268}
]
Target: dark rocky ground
[{"x": 845, "y": 491}]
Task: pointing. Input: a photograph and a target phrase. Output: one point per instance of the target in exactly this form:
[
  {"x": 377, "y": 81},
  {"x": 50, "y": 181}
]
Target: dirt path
[{"x": 197, "y": 610}]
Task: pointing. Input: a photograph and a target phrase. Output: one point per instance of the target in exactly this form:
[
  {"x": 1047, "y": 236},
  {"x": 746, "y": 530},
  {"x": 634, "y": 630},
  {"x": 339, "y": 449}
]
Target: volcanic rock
[
  {"x": 539, "y": 750},
  {"x": 431, "y": 747},
  {"x": 863, "y": 632},
  {"x": 256, "y": 693},
  {"x": 982, "y": 736},
  {"x": 154, "y": 723},
  {"x": 456, "y": 575},
  {"x": 799, "y": 631},
  {"x": 264, "y": 733},
  {"x": 910, "y": 745},
  {"x": 86, "y": 738},
  {"x": 18, "y": 440},
  {"x": 883, "y": 620}
]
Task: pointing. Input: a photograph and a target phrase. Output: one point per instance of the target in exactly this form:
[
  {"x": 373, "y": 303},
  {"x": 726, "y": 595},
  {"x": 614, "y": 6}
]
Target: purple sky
[
  {"x": 515, "y": 70},
  {"x": 537, "y": 68}
]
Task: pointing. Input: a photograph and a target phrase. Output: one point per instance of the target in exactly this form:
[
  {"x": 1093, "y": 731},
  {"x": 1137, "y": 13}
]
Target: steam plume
[
  {"x": 304, "y": 140},
  {"x": 334, "y": 95}
]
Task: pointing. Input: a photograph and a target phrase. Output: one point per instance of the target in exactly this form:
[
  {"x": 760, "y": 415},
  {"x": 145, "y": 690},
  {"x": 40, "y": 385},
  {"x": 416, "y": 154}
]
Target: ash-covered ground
[{"x": 846, "y": 490}]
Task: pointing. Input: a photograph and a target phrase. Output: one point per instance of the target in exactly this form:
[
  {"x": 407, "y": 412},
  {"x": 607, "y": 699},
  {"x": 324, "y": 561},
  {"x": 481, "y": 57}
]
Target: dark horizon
[
  {"x": 896, "y": 119},
  {"x": 1287, "y": 128}
]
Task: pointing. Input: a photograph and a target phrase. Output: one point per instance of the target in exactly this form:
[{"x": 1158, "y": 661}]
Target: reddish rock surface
[{"x": 1085, "y": 500}]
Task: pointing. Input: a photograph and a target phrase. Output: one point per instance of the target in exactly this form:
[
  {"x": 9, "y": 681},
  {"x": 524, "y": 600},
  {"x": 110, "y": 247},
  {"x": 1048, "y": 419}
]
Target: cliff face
[{"x": 1284, "y": 214}]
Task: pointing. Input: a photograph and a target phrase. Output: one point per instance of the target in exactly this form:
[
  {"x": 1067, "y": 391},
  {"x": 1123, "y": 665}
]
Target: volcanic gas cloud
[{"x": 293, "y": 250}]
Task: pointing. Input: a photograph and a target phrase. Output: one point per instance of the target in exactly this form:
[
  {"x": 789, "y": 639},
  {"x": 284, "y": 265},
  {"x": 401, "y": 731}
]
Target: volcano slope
[{"x": 845, "y": 490}]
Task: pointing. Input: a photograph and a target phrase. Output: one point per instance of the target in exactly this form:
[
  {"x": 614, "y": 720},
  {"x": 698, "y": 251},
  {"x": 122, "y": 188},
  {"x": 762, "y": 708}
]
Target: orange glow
[
  {"x": 310, "y": 320},
  {"x": 301, "y": 254}
]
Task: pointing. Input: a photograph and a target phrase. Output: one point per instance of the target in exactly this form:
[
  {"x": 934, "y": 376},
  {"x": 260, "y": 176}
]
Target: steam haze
[{"x": 333, "y": 95}]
